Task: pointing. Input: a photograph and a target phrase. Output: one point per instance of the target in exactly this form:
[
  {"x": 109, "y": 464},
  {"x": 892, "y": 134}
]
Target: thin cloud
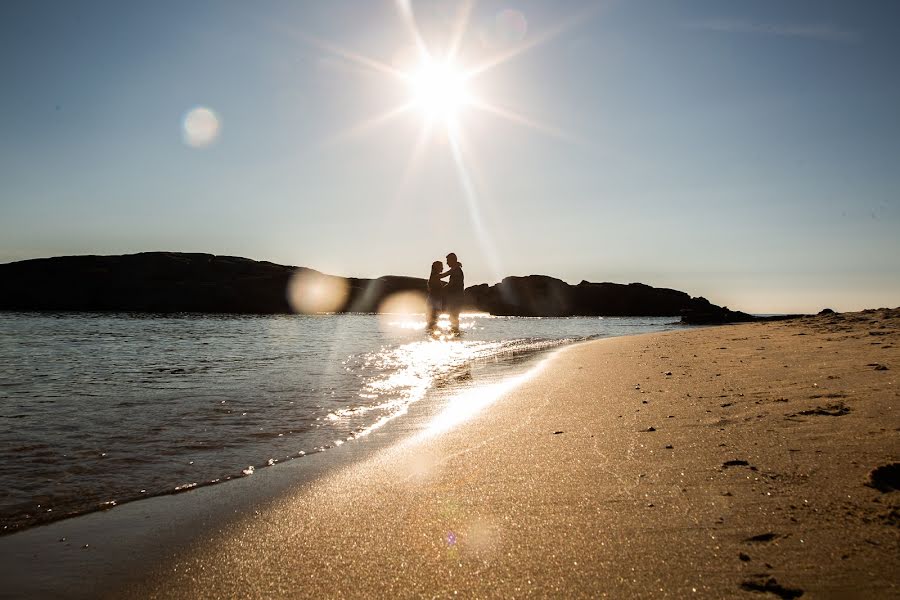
[{"x": 814, "y": 31}]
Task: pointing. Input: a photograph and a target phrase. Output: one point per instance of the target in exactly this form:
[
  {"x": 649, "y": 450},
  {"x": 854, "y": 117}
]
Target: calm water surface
[{"x": 98, "y": 409}]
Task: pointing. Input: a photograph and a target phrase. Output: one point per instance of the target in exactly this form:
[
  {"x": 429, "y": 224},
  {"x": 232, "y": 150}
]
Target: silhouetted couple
[{"x": 445, "y": 297}]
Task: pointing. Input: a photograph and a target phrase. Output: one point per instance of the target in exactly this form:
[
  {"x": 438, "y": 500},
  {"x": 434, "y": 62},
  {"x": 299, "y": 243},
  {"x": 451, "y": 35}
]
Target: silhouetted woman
[{"x": 435, "y": 302}]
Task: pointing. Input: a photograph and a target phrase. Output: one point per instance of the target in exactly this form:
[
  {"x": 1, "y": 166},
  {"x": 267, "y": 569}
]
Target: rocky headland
[{"x": 173, "y": 282}]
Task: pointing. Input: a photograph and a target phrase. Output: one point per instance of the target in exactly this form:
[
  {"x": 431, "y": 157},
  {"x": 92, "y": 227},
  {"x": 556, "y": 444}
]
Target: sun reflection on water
[
  {"x": 393, "y": 378},
  {"x": 408, "y": 371},
  {"x": 417, "y": 322}
]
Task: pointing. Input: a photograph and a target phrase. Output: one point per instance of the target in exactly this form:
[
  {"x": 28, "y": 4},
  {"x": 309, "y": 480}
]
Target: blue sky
[{"x": 743, "y": 151}]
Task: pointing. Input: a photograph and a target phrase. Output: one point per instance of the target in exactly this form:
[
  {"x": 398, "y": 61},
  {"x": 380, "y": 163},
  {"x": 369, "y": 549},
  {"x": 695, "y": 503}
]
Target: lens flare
[
  {"x": 311, "y": 292},
  {"x": 511, "y": 26},
  {"x": 200, "y": 127},
  {"x": 403, "y": 303}
]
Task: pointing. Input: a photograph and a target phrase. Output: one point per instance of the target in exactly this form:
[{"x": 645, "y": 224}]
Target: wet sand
[{"x": 722, "y": 462}]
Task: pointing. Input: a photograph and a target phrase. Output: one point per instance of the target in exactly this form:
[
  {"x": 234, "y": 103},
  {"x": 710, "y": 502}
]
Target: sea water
[{"x": 100, "y": 409}]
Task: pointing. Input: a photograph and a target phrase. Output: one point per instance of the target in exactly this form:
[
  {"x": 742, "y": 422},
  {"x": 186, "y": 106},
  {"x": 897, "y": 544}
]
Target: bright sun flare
[
  {"x": 438, "y": 89},
  {"x": 441, "y": 87}
]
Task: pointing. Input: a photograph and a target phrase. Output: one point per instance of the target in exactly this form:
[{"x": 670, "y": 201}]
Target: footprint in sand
[
  {"x": 763, "y": 537},
  {"x": 885, "y": 478},
  {"x": 829, "y": 395},
  {"x": 762, "y": 584},
  {"x": 835, "y": 409}
]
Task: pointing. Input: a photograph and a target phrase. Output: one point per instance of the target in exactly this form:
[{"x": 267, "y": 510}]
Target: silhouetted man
[{"x": 454, "y": 290}]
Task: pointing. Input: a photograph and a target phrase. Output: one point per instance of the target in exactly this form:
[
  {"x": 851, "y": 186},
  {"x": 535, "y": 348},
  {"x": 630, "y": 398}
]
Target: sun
[
  {"x": 443, "y": 83},
  {"x": 438, "y": 89},
  {"x": 439, "y": 85}
]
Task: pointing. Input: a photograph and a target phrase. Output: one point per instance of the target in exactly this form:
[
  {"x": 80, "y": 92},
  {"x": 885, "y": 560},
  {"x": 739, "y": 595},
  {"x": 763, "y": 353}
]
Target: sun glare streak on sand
[{"x": 469, "y": 402}]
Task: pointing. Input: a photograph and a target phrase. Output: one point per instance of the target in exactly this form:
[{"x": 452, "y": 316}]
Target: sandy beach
[
  {"x": 711, "y": 463},
  {"x": 721, "y": 462}
]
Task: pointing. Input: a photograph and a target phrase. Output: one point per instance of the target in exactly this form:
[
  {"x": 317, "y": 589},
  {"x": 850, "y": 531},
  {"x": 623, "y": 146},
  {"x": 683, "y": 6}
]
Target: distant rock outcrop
[
  {"x": 171, "y": 282},
  {"x": 542, "y": 296}
]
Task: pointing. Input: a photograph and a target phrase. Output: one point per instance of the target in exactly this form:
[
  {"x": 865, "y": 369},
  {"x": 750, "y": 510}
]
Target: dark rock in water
[
  {"x": 717, "y": 315},
  {"x": 173, "y": 282}
]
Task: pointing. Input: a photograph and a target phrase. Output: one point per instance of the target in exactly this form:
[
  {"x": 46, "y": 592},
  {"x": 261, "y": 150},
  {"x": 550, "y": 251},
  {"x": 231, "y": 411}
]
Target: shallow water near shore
[{"x": 100, "y": 409}]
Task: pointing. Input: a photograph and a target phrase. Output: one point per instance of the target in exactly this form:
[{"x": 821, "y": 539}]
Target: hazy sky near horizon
[{"x": 748, "y": 152}]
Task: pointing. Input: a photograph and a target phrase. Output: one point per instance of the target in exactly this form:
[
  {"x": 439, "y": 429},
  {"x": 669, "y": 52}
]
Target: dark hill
[
  {"x": 169, "y": 282},
  {"x": 539, "y": 295}
]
